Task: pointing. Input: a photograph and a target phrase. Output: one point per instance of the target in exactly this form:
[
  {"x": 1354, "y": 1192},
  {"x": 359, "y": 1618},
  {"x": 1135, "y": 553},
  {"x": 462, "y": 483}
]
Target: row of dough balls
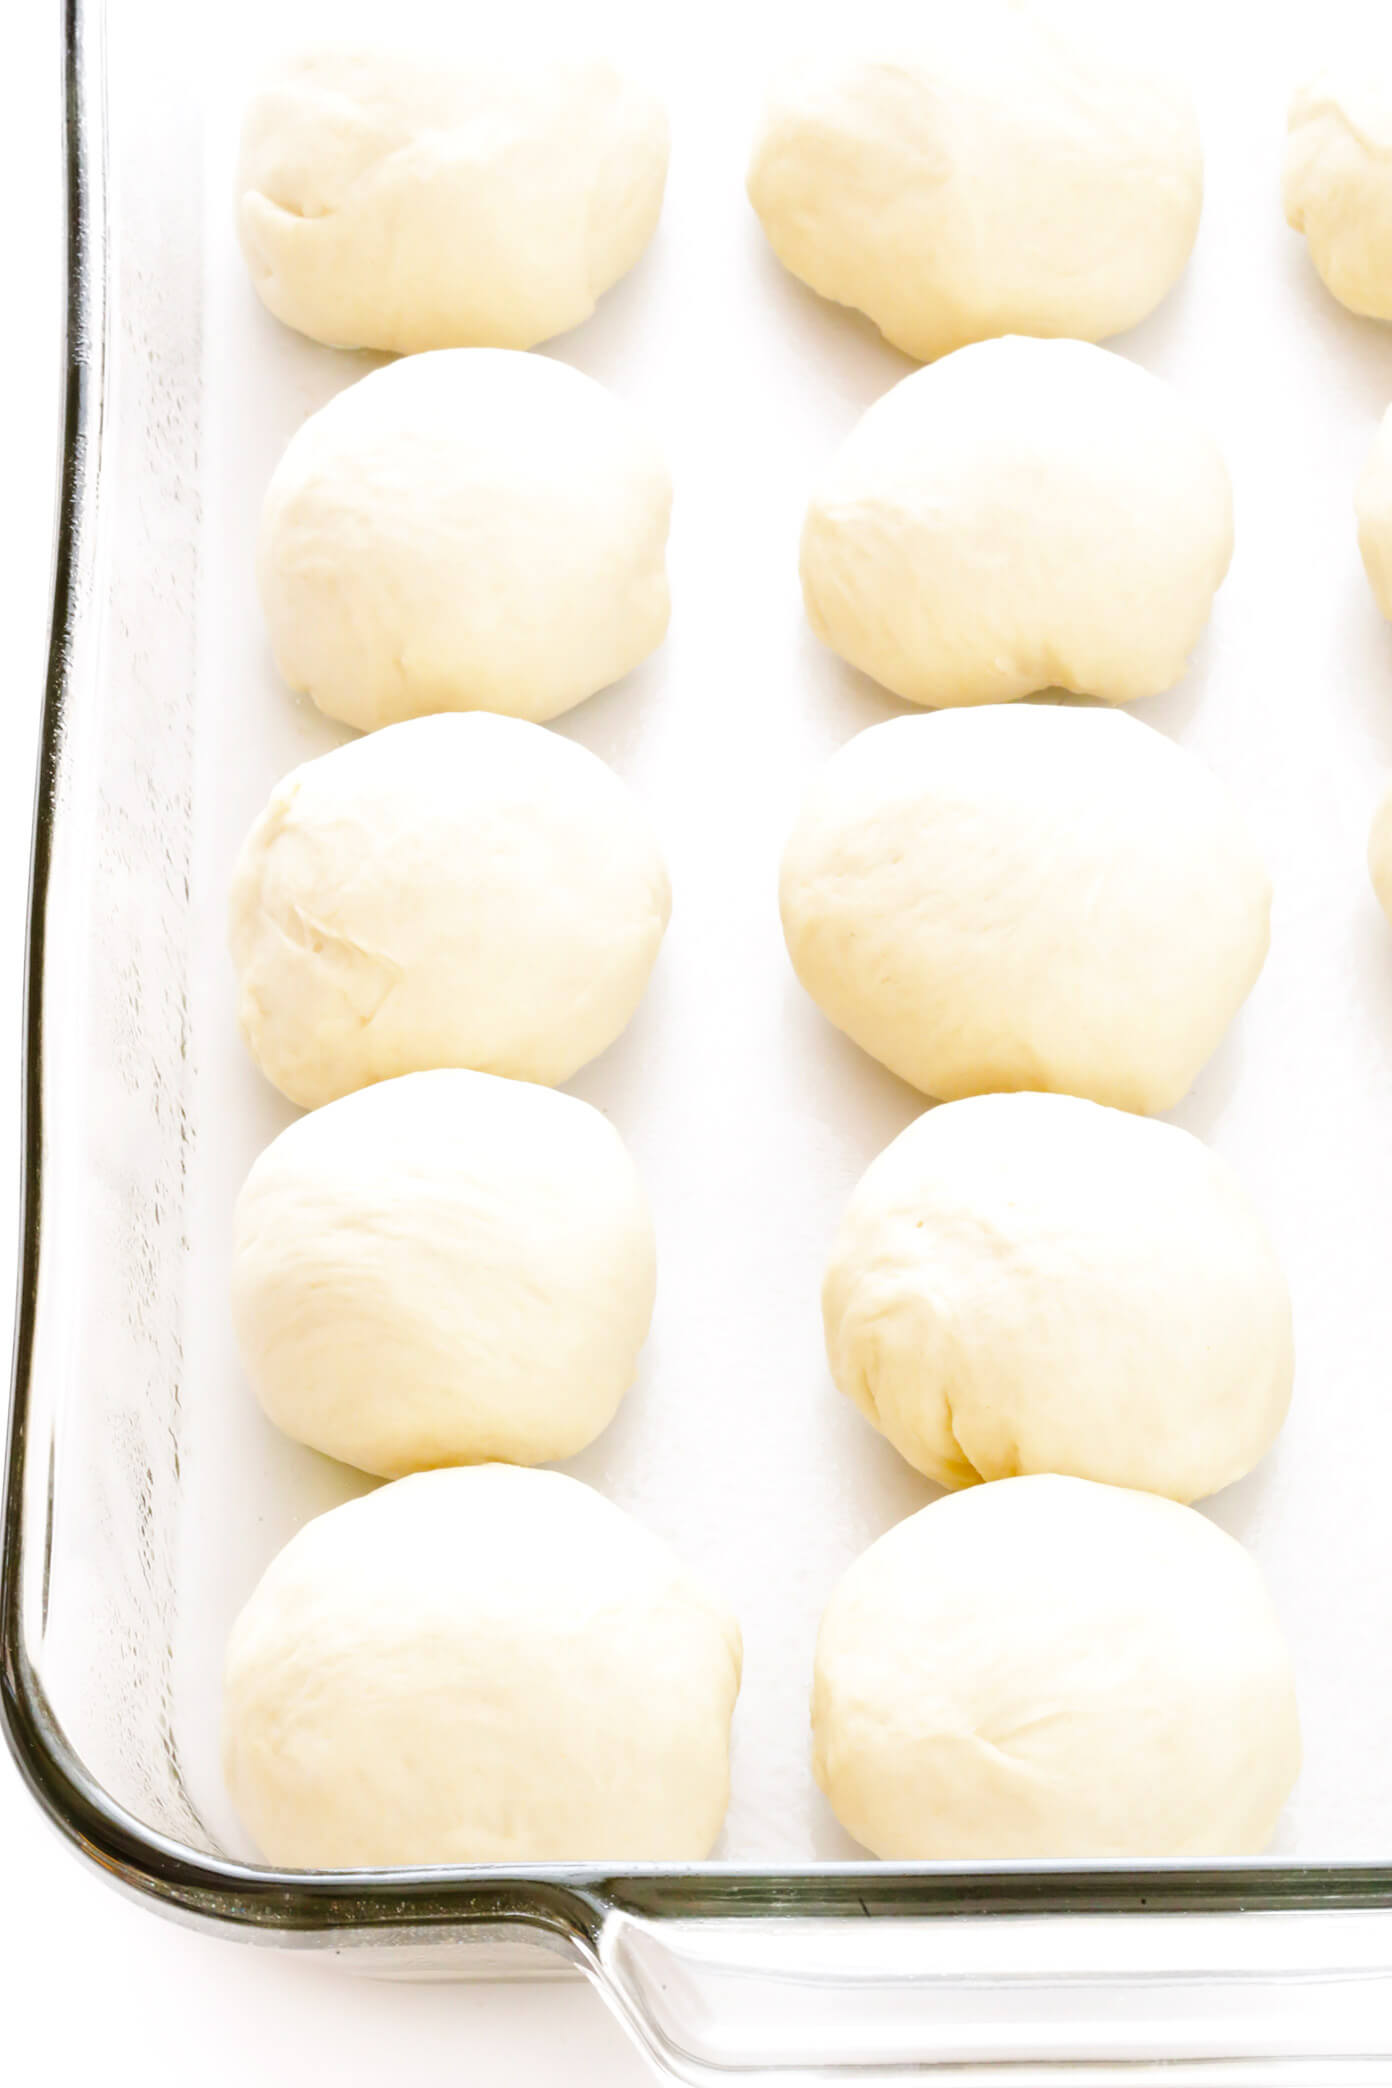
[
  {"x": 495, "y": 1665},
  {"x": 443, "y": 1266},
  {"x": 1338, "y": 192},
  {"x": 515, "y": 194},
  {"x": 1028, "y": 896},
  {"x": 450, "y": 1268},
  {"x": 1002, "y": 168},
  {"x": 989, "y": 900},
  {"x": 392, "y": 1698},
  {"x": 483, "y": 529},
  {"x": 420, "y": 201},
  {"x": 479, "y": 529},
  {"x": 407, "y": 201}
]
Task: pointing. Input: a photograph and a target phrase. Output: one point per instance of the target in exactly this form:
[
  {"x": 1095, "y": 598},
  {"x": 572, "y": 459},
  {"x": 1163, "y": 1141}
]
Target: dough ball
[
  {"x": 1380, "y": 851},
  {"x": 1049, "y": 1668},
  {"x": 474, "y": 530},
  {"x": 1025, "y": 515},
  {"x": 1000, "y": 169},
  {"x": 479, "y": 1666},
  {"x": 454, "y": 891},
  {"x": 444, "y": 1269},
  {"x": 1337, "y": 185},
  {"x": 1026, "y": 896},
  {"x": 1032, "y": 1283},
  {"x": 1373, "y": 505},
  {"x": 400, "y": 200}
]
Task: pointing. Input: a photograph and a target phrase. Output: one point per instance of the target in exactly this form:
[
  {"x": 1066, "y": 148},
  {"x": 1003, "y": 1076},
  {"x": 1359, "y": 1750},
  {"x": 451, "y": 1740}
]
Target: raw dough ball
[
  {"x": 1030, "y": 1283},
  {"x": 394, "y": 200},
  {"x": 1049, "y": 1668},
  {"x": 454, "y": 891},
  {"x": 1337, "y": 185},
  {"x": 444, "y": 1269},
  {"x": 474, "y": 530},
  {"x": 479, "y": 1666},
  {"x": 1007, "y": 169},
  {"x": 1373, "y": 506},
  {"x": 1026, "y": 896},
  {"x": 1380, "y": 851},
  {"x": 1025, "y": 515}
]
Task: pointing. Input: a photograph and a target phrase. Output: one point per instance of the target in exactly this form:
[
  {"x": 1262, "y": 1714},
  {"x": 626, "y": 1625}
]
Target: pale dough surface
[
  {"x": 472, "y": 530},
  {"x": 1033, "y": 1283},
  {"x": 1050, "y": 1668},
  {"x": 1026, "y": 896},
  {"x": 1373, "y": 507},
  {"x": 1337, "y": 182},
  {"x": 444, "y": 1269},
  {"x": 479, "y": 1666},
  {"x": 404, "y": 200},
  {"x": 998, "y": 168},
  {"x": 453, "y": 891},
  {"x": 1023, "y": 515},
  {"x": 1380, "y": 851}
]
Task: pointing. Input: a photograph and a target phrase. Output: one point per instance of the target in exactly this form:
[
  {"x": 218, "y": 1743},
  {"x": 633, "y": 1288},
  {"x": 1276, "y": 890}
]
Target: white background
[{"x": 1291, "y": 699}]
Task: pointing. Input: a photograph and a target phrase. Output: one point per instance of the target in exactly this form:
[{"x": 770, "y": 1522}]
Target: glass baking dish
[{"x": 142, "y": 1494}]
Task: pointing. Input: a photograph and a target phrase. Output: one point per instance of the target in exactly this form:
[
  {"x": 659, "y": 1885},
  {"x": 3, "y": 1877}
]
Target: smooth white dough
[
  {"x": 1033, "y": 1283},
  {"x": 443, "y": 1269},
  {"x": 408, "y": 200},
  {"x": 1024, "y": 515},
  {"x": 484, "y": 1665},
  {"x": 1373, "y": 507},
  {"x": 472, "y": 530},
  {"x": 1050, "y": 1668},
  {"x": 1337, "y": 179},
  {"x": 1026, "y": 896},
  {"x": 1380, "y": 850},
  {"x": 454, "y": 891},
  {"x": 1002, "y": 168}
]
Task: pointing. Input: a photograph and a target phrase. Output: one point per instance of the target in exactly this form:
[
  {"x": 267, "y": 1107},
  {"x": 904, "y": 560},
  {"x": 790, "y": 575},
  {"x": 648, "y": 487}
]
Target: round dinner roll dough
[
  {"x": 1024, "y": 515},
  {"x": 444, "y": 1269},
  {"x": 473, "y": 530},
  {"x": 454, "y": 891},
  {"x": 1000, "y": 168},
  {"x": 1026, "y": 896},
  {"x": 1049, "y": 1668},
  {"x": 479, "y": 1666},
  {"x": 408, "y": 200},
  {"x": 1380, "y": 851},
  {"x": 1337, "y": 183},
  {"x": 1033, "y": 1283}
]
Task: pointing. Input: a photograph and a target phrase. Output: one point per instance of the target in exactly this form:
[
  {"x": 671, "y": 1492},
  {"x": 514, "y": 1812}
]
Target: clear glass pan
[{"x": 119, "y": 1564}]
